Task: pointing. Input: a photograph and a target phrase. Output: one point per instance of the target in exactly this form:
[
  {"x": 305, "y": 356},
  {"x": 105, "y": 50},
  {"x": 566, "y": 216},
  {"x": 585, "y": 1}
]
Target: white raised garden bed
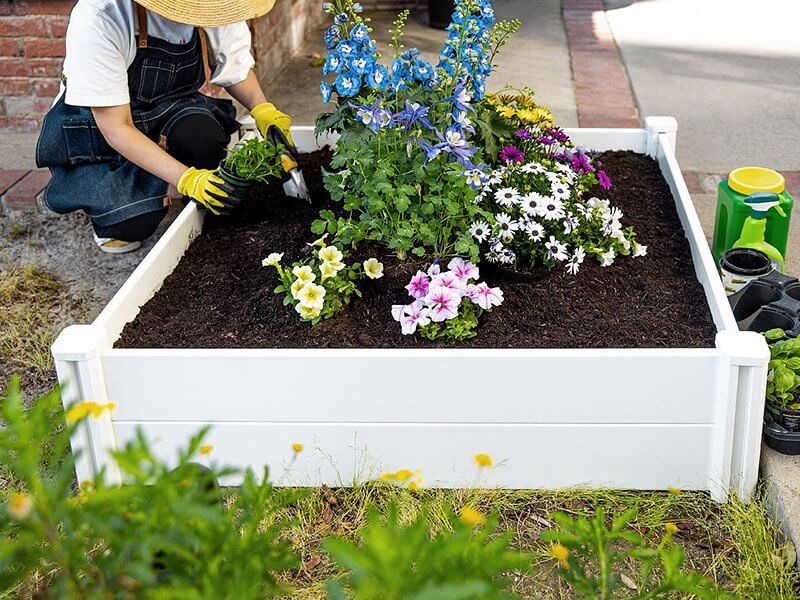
[{"x": 619, "y": 418}]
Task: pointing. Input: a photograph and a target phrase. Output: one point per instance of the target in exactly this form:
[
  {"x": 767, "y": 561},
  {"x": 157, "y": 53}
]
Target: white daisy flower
[
  {"x": 480, "y": 230},
  {"x": 495, "y": 178},
  {"x": 607, "y": 258},
  {"x": 639, "y": 250},
  {"x": 492, "y": 257},
  {"x": 560, "y": 190},
  {"x": 535, "y": 231},
  {"x": 529, "y": 203},
  {"x": 576, "y": 260},
  {"x": 506, "y": 225},
  {"x": 496, "y": 245},
  {"x": 506, "y": 196},
  {"x": 555, "y": 249},
  {"x": 570, "y": 223},
  {"x": 551, "y": 209},
  {"x": 507, "y": 257},
  {"x": 533, "y": 168}
]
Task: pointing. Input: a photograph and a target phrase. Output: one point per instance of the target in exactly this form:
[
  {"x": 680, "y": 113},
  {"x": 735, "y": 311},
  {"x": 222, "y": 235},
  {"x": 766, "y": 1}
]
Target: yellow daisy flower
[
  {"x": 483, "y": 460},
  {"x": 471, "y": 516},
  {"x": 560, "y": 553}
]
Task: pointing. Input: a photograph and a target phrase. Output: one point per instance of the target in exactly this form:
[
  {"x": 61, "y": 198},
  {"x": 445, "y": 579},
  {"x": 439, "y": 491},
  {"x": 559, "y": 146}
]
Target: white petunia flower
[
  {"x": 506, "y": 225},
  {"x": 480, "y": 230},
  {"x": 639, "y": 250},
  {"x": 619, "y": 235},
  {"x": 506, "y": 196},
  {"x": 607, "y": 258},
  {"x": 556, "y": 250},
  {"x": 373, "y": 268}
]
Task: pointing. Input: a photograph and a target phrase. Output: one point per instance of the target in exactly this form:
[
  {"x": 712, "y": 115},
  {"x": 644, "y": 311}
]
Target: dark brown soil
[{"x": 220, "y": 296}]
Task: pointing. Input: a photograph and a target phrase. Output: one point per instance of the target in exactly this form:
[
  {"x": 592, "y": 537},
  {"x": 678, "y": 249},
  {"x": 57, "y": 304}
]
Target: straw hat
[{"x": 209, "y": 13}]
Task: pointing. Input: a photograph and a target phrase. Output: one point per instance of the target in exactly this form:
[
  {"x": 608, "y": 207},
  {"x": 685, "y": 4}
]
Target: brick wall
[{"x": 31, "y": 52}]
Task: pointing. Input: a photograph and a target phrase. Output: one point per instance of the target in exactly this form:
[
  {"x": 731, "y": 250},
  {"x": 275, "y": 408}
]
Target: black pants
[{"x": 193, "y": 140}]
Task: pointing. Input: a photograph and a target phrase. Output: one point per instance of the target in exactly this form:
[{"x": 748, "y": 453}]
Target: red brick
[
  {"x": 15, "y": 124},
  {"x": 26, "y": 106},
  {"x": 30, "y": 67},
  {"x": 14, "y": 86},
  {"x": 46, "y": 88},
  {"x": 44, "y": 47},
  {"x": 10, "y": 177},
  {"x": 43, "y": 7},
  {"x": 22, "y": 26},
  {"x": 22, "y": 195},
  {"x": 9, "y": 47},
  {"x": 58, "y": 26},
  {"x": 5, "y": 8}
]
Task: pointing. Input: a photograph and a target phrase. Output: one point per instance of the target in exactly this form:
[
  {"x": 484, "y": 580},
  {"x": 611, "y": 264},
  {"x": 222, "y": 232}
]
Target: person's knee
[
  {"x": 135, "y": 229},
  {"x": 198, "y": 140}
]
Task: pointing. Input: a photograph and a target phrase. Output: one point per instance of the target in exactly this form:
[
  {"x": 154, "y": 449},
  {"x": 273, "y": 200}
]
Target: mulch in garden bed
[{"x": 220, "y": 296}]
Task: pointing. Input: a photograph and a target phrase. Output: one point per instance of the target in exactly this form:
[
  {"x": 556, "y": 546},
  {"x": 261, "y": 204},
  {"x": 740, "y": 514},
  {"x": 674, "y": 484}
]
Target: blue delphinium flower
[
  {"x": 332, "y": 36},
  {"x": 340, "y": 19},
  {"x": 347, "y": 84},
  {"x": 333, "y": 64},
  {"x": 346, "y": 49},
  {"x": 378, "y": 78},
  {"x": 361, "y": 65},
  {"x": 412, "y": 114},
  {"x": 360, "y": 34},
  {"x": 326, "y": 90},
  {"x": 357, "y": 8},
  {"x": 421, "y": 70}
]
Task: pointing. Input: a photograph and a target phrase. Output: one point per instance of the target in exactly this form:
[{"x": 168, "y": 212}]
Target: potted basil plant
[
  {"x": 253, "y": 160},
  {"x": 782, "y": 419}
]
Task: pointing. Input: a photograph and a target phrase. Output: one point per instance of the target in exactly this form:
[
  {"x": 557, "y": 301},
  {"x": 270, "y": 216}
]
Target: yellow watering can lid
[{"x": 749, "y": 180}]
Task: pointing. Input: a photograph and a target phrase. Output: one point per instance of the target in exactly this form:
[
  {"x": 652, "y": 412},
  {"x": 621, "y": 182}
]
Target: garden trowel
[{"x": 296, "y": 186}]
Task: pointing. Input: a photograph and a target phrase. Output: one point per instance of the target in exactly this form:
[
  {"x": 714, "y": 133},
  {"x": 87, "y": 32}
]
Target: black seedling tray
[{"x": 769, "y": 302}]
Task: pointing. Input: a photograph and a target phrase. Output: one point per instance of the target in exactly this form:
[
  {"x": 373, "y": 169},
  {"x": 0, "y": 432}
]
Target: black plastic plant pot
[
  {"x": 750, "y": 298},
  {"x": 793, "y": 290},
  {"x": 739, "y": 266},
  {"x": 766, "y": 318},
  {"x": 781, "y": 439},
  {"x": 234, "y": 180},
  {"x": 788, "y": 418},
  {"x": 440, "y": 12}
]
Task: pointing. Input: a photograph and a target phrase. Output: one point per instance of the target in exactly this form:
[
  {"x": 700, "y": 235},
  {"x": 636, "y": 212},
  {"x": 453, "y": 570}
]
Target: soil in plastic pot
[
  {"x": 219, "y": 295},
  {"x": 440, "y": 12},
  {"x": 786, "y": 417},
  {"x": 240, "y": 183}
]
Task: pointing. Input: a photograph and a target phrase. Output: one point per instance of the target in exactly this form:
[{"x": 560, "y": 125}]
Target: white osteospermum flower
[
  {"x": 273, "y": 260},
  {"x": 607, "y": 258},
  {"x": 576, "y": 260},
  {"x": 570, "y": 223},
  {"x": 530, "y": 203},
  {"x": 551, "y": 209},
  {"x": 496, "y": 245},
  {"x": 373, "y": 268},
  {"x": 506, "y": 196},
  {"x": 507, "y": 257},
  {"x": 480, "y": 230},
  {"x": 533, "y": 168},
  {"x": 495, "y": 178},
  {"x": 506, "y": 225},
  {"x": 639, "y": 250},
  {"x": 560, "y": 190},
  {"x": 535, "y": 231},
  {"x": 556, "y": 250}
]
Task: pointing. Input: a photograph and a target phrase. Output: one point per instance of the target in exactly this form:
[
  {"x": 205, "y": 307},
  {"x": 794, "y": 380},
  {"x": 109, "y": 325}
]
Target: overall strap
[
  {"x": 141, "y": 17},
  {"x": 204, "y": 51}
]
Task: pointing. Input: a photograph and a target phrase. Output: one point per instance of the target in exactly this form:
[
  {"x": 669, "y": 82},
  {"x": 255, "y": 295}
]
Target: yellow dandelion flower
[
  {"x": 20, "y": 506},
  {"x": 674, "y": 491},
  {"x": 206, "y": 449},
  {"x": 84, "y": 409},
  {"x": 415, "y": 485},
  {"x": 472, "y": 516},
  {"x": 560, "y": 553},
  {"x": 483, "y": 460},
  {"x": 671, "y": 528},
  {"x": 297, "y": 447}
]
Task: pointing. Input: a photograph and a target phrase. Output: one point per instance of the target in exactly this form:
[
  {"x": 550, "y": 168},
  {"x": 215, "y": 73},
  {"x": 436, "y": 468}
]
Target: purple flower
[
  {"x": 418, "y": 286},
  {"x": 484, "y": 296},
  {"x": 443, "y": 303},
  {"x": 461, "y": 98},
  {"x": 414, "y": 113},
  {"x": 512, "y": 154},
  {"x": 431, "y": 152},
  {"x": 454, "y": 143},
  {"x": 463, "y": 269},
  {"x": 411, "y": 316},
  {"x": 580, "y": 162},
  {"x": 523, "y": 134},
  {"x": 603, "y": 180}
]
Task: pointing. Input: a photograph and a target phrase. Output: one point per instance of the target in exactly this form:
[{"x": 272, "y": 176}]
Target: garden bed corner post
[
  {"x": 660, "y": 125},
  {"x": 77, "y": 354},
  {"x": 744, "y": 357}
]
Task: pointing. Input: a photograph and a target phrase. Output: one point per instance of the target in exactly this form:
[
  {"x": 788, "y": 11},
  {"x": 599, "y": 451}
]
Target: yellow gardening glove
[
  {"x": 207, "y": 189},
  {"x": 267, "y": 115}
]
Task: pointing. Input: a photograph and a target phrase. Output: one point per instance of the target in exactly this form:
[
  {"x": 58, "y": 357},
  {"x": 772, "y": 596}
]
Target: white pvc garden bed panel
[{"x": 622, "y": 418}]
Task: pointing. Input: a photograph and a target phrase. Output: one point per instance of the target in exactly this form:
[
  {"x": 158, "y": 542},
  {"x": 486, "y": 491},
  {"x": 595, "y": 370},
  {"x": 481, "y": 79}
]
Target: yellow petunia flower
[
  {"x": 560, "y": 553},
  {"x": 273, "y": 260},
  {"x": 373, "y": 268},
  {"x": 312, "y": 296},
  {"x": 304, "y": 273},
  {"x": 297, "y": 286},
  {"x": 307, "y": 312},
  {"x": 472, "y": 516},
  {"x": 206, "y": 449},
  {"x": 483, "y": 460},
  {"x": 328, "y": 270},
  {"x": 298, "y": 448},
  {"x": 20, "y": 506},
  {"x": 330, "y": 254}
]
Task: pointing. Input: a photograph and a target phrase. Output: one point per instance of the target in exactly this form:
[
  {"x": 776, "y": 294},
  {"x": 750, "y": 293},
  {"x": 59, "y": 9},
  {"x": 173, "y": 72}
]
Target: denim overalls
[{"x": 88, "y": 174}]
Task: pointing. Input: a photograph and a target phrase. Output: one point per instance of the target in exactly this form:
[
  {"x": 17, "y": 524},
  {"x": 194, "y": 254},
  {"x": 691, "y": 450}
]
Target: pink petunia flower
[
  {"x": 484, "y": 296},
  {"x": 443, "y": 303},
  {"x": 449, "y": 280},
  {"x": 419, "y": 285},
  {"x": 463, "y": 269},
  {"x": 411, "y": 316}
]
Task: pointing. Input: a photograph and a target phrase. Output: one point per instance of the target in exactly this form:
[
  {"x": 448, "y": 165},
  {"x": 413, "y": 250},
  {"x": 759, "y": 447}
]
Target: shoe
[{"x": 112, "y": 246}]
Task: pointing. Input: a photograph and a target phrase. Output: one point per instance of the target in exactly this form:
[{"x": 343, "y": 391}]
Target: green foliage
[
  {"x": 392, "y": 196},
  {"x": 254, "y": 160},
  {"x": 410, "y": 561},
  {"x": 164, "y": 534},
  {"x": 591, "y": 553},
  {"x": 783, "y": 379},
  {"x": 458, "y": 328}
]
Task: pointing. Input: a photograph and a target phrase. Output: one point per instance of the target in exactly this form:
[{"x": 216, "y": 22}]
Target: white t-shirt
[{"x": 102, "y": 43}]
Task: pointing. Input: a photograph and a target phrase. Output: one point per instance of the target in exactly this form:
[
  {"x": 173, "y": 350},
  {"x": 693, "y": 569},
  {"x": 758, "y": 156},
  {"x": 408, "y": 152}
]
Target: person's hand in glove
[
  {"x": 209, "y": 190},
  {"x": 266, "y": 115}
]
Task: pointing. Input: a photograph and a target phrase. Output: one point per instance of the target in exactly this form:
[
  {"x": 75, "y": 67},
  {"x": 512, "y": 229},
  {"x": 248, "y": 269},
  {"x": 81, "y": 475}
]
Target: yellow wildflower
[
  {"x": 501, "y": 98},
  {"x": 506, "y": 111},
  {"x": 84, "y": 409},
  {"x": 483, "y": 460},
  {"x": 674, "y": 491},
  {"x": 330, "y": 254},
  {"x": 560, "y": 553},
  {"x": 206, "y": 449},
  {"x": 415, "y": 485},
  {"x": 20, "y": 506},
  {"x": 304, "y": 273},
  {"x": 403, "y": 475},
  {"x": 273, "y": 260},
  {"x": 671, "y": 528},
  {"x": 373, "y": 268},
  {"x": 297, "y": 447},
  {"x": 319, "y": 242},
  {"x": 525, "y": 101},
  {"x": 472, "y": 516}
]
